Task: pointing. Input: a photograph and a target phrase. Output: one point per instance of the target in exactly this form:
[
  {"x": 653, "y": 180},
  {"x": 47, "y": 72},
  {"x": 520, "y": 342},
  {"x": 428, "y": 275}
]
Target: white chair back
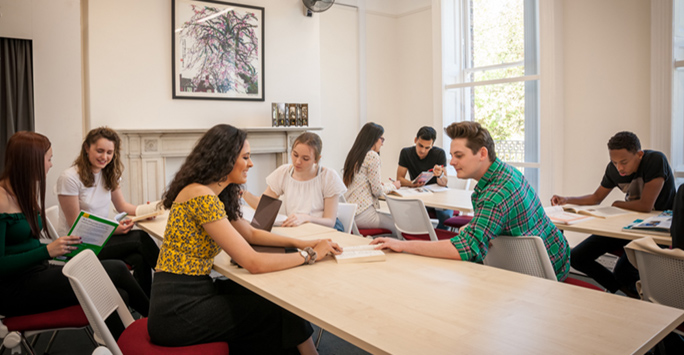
[
  {"x": 662, "y": 278},
  {"x": 345, "y": 213},
  {"x": 459, "y": 184},
  {"x": 52, "y": 216},
  {"x": 97, "y": 295},
  {"x": 410, "y": 217},
  {"x": 525, "y": 254}
]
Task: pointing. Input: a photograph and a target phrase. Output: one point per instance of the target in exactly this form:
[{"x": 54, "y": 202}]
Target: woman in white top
[
  {"x": 91, "y": 184},
  {"x": 311, "y": 191},
  {"x": 362, "y": 177}
]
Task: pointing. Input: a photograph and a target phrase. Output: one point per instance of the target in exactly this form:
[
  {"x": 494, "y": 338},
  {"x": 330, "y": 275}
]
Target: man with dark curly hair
[{"x": 647, "y": 181}]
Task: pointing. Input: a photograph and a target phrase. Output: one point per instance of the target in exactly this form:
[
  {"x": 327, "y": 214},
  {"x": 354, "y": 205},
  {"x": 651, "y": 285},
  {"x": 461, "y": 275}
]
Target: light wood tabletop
[
  {"x": 156, "y": 227},
  {"x": 417, "y": 305},
  {"x": 451, "y": 199},
  {"x": 612, "y": 227},
  {"x": 410, "y": 304}
]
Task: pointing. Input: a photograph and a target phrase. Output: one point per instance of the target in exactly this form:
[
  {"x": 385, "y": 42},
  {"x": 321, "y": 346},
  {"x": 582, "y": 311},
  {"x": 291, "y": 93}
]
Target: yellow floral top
[{"x": 187, "y": 248}]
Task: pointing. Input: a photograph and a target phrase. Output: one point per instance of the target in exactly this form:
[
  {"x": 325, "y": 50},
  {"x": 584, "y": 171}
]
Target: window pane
[
  {"x": 513, "y": 71},
  {"x": 501, "y": 109},
  {"x": 497, "y": 32},
  {"x": 678, "y": 120},
  {"x": 679, "y": 30}
]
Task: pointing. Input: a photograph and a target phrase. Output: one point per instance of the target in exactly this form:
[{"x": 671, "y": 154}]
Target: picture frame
[{"x": 209, "y": 63}]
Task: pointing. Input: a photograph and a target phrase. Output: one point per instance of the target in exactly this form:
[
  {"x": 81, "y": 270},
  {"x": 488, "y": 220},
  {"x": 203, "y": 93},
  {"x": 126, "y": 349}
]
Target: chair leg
[
  {"x": 89, "y": 331},
  {"x": 52, "y": 340},
  {"x": 318, "y": 338},
  {"x": 29, "y": 349},
  {"x": 34, "y": 340}
]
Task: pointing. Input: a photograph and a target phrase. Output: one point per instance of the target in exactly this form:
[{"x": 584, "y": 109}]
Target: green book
[{"x": 94, "y": 232}]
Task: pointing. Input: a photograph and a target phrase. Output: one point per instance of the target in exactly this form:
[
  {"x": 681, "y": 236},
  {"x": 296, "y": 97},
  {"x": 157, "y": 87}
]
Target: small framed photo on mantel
[
  {"x": 217, "y": 50},
  {"x": 289, "y": 114}
]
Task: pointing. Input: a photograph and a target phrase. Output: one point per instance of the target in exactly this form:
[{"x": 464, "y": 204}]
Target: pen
[{"x": 392, "y": 180}]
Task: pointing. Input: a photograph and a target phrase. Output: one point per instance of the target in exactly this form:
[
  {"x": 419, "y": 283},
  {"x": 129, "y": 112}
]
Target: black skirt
[{"x": 187, "y": 310}]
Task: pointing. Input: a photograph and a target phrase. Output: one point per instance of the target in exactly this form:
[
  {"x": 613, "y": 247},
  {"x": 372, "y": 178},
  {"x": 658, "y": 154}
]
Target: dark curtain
[{"x": 16, "y": 90}]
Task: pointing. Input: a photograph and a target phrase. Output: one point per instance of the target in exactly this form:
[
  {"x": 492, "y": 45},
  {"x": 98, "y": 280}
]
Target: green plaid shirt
[{"x": 505, "y": 204}]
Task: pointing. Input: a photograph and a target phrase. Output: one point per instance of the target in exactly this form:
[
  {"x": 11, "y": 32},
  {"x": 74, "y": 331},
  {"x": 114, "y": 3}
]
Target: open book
[
  {"x": 360, "y": 254},
  {"x": 94, "y": 232},
  {"x": 558, "y": 215},
  {"x": 597, "y": 211},
  {"x": 660, "y": 223},
  {"x": 411, "y": 191},
  {"x": 424, "y": 177},
  {"x": 148, "y": 210},
  {"x": 436, "y": 188}
]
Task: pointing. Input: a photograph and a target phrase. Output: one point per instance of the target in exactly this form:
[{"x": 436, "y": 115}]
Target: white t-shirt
[
  {"x": 95, "y": 199},
  {"x": 306, "y": 197}
]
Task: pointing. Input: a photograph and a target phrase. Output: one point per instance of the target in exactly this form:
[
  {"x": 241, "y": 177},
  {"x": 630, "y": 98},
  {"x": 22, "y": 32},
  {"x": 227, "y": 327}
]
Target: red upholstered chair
[
  {"x": 412, "y": 221},
  {"x": 374, "y": 232},
  {"x": 457, "y": 222},
  {"x": 99, "y": 298},
  {"x": 580, "y": 283},
  {"x": 15, "y": 330}
]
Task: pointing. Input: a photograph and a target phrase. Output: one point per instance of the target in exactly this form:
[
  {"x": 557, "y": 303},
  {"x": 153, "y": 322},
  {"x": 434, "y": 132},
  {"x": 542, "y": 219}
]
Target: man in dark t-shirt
[
  {"x": 421, "y": 157},
  {"x": 646, "y": 179}
]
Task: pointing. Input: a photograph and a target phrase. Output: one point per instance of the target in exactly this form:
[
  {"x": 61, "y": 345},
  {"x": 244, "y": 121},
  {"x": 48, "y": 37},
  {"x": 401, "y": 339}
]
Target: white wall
[
  {"x": 339, "y": 83},
  {"x": 129, "y": 51},
  {"x": 54, "y": 27},
  {"x": 604, "y": 48},
  {"x": 399, "y": 77},
  {"x": 606, "y": 84}
]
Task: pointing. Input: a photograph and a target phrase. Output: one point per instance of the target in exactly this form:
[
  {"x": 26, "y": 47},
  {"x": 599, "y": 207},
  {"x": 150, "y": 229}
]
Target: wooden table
[
  {"x": 417, "y": 305},
  {"x": 157, "y": 226},
  {"x": 410, "y": 304},
  {"x": 612, "y": 227},
  {"x": 452, "y": 199}
]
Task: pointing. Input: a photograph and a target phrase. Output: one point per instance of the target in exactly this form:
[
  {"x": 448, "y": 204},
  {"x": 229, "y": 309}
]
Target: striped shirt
[{"x": 505, "y": 204}]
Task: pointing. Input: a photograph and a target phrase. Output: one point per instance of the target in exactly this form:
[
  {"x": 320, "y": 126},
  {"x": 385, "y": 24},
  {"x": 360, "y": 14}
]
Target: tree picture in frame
[{"x": 217, "y": 50}]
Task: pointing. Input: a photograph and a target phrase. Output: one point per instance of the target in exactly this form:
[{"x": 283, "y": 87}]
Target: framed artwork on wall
[{"x": 217, "y": 50}]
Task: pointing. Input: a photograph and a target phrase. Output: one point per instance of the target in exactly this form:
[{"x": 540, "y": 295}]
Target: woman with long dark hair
[
  {"x": 29, "y": 284},
  {"x": 362, "y": 176},
  {"x": 92, "y": 185},
  {"x": 187, "y": 306}
]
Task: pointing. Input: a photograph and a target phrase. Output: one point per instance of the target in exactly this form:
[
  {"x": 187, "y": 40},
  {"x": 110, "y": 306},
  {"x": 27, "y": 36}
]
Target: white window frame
[
  {"x": 667, "y": 100},
  {"x": 454, "y": 63},
  {"x": 550, "y": 87}
]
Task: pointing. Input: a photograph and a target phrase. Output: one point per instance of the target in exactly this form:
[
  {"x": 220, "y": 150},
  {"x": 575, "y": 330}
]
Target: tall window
[
  {"x": 678, "y": 92},
  {"x": 491, "y": 74}
]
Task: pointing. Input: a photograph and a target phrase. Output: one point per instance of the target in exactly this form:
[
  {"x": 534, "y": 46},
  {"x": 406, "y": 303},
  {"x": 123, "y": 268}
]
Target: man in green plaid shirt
[{"x": 503, "y": 201}]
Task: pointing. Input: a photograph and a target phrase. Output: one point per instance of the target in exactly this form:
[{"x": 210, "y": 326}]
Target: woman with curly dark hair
[
  {"x": 92, "y": 185},
  {"x": 187, "y": 306}
]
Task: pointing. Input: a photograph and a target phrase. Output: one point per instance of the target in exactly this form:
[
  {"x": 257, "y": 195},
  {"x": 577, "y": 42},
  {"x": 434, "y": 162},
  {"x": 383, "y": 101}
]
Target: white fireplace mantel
[{"x": 148, "y": 154}]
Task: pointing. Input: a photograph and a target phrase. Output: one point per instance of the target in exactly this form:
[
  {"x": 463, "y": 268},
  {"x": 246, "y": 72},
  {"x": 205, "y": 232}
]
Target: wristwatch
[
  {"x": 312, "y": 255},
  {"x": 304, "y": 255}
]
